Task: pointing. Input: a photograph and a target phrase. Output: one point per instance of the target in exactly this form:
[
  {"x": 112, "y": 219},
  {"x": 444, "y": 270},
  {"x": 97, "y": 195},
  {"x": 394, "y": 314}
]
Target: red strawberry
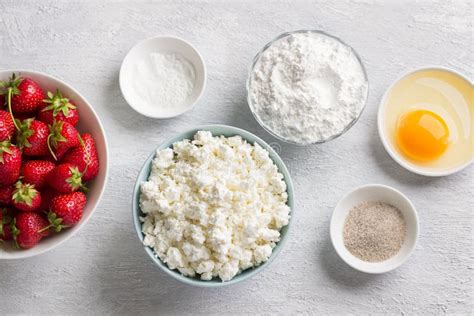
[
  {"x": 26, "y": 94},
  {"x": 58, "y": 109},
  {"x": 35, "y": 172},
  {"x": 65, "y": 178},
  {"x": 5, "y": 221},
  {"x": 28, "y": 229},
  {"x": 63, "y": 136},
  {"x": 66, "y": 210},
  {"x": 7, "y": 128},
  {"x": 6, "y": 194},
  {"x": 84, "y": 157},
  {"x": 47, "y": 196},
  {"x": 26, "y": 198},
  {"x": 32, "y": 137},
  {"x": 10, "y": 163}
]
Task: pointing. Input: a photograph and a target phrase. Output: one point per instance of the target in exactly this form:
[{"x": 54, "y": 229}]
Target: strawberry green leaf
[
  {"x": 54, "y": 221},
  {"x": 5, "y": 148},
  {"x": 15, "y": 232},
  {"x": 57, "y": 103},
  {"x": 75, "y": 180},
  {"x": 24, "y": 133},
  {"x": 24, "y": 193},
  {"x": 12, "y": 84}
]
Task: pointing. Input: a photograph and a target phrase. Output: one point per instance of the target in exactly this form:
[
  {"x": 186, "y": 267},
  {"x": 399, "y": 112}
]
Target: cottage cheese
[{"x": 213, "y": 206}]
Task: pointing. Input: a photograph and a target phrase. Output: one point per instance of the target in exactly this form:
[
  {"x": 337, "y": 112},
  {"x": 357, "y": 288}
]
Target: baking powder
[{"x": 163, "y": 81}]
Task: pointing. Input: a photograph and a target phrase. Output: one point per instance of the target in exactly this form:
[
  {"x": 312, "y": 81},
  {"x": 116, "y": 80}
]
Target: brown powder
[{"x": 374, "y": 231}]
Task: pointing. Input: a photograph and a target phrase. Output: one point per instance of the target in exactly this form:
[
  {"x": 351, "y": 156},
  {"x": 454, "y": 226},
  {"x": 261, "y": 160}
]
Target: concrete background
[{"x": 103, "y": 270}]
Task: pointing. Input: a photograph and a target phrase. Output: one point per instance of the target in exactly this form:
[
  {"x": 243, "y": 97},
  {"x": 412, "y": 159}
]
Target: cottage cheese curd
[{"x": 213, "y": 206}]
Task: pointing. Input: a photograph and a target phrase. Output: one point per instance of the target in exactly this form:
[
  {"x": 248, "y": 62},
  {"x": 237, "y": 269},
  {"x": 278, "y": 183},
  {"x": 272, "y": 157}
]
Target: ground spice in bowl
[{"x": 374, "y": 231}]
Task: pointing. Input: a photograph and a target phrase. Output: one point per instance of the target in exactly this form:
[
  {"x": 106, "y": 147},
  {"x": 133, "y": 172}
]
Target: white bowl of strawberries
[{"x": 53, "y": 163}]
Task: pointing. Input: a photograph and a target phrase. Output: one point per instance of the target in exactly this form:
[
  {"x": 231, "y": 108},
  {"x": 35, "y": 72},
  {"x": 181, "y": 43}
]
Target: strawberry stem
[
  {"x": 9, "y": 101},
  {"x": 45, "y": 228},
  {"x": 87, "y": 167},
  {"x": 49, "y": 146},
  {"x": 84, "y": 188},
  {"x": 87, "y": 157}
]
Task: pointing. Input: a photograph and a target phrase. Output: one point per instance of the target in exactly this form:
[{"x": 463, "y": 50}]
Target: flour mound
[{"x": 308, "y": 87}]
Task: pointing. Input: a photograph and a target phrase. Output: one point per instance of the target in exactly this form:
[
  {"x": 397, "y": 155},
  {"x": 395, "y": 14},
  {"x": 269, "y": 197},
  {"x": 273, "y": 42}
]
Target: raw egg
[
  {"x": 427, "y": 120},
  {"x": 422, "y": 135}
]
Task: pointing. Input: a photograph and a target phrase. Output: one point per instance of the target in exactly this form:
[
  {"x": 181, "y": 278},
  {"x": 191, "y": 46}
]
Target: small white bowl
[
  {"x": 374, "y": 192},
  {"x": 162, "y": 44},
  {"x": 429, "y": 172},
  {"x": 88, "y": 122}
]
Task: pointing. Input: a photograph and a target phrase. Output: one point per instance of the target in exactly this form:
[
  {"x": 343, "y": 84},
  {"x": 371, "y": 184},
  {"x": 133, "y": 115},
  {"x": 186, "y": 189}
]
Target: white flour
[
  {"x": 163, "y": 82},
  {"x": 306, "y": 88}
]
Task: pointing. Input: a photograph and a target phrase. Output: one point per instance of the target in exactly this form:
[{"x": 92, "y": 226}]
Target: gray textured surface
[{"x": 104, "y": 270}]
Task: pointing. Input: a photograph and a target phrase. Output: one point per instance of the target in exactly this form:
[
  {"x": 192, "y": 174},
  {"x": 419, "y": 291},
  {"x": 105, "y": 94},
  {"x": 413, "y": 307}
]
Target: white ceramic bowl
[
  {"x": 161, "y": 44},
  {"x": 393, "y": 152},
  {"x": 88, "y": 122},
  {"x": 374, "y": 192},
  {"x": 216, "y": 130}
]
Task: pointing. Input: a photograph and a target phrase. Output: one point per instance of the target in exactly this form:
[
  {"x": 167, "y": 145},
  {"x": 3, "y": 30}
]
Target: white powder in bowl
[
  {"x": 307, "y": 87},
  {"x": 163, "y": 82}
]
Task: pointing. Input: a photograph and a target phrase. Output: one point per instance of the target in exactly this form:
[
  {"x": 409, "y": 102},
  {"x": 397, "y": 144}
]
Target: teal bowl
[{"x": 216, "y": 130}]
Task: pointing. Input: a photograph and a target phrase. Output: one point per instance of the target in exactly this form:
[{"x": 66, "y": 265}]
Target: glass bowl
[{"x": 255, "y": 61}]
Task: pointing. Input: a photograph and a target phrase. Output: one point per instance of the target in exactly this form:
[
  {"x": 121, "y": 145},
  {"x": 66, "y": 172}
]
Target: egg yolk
[{"x": 422, "y": 135}]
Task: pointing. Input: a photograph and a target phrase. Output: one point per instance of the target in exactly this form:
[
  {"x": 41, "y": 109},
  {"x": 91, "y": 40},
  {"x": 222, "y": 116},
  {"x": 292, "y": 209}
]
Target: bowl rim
[
  {"x": 249, "y": 272},
  {"x": 384, "y": 139},
  {"x": 268, "y": 45},
  {"x": 348, "y": 259},
  {"x": 150, "y": 39},
  {"x": 27, "y": 253}
]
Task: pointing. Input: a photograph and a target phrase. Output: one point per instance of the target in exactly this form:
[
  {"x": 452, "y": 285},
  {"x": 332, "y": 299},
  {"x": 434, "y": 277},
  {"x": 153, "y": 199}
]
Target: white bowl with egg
[
  {"x": 382, "y": 193},
  {"x": 443, "y": 95},
  {"x": 162, "y": 77}
]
